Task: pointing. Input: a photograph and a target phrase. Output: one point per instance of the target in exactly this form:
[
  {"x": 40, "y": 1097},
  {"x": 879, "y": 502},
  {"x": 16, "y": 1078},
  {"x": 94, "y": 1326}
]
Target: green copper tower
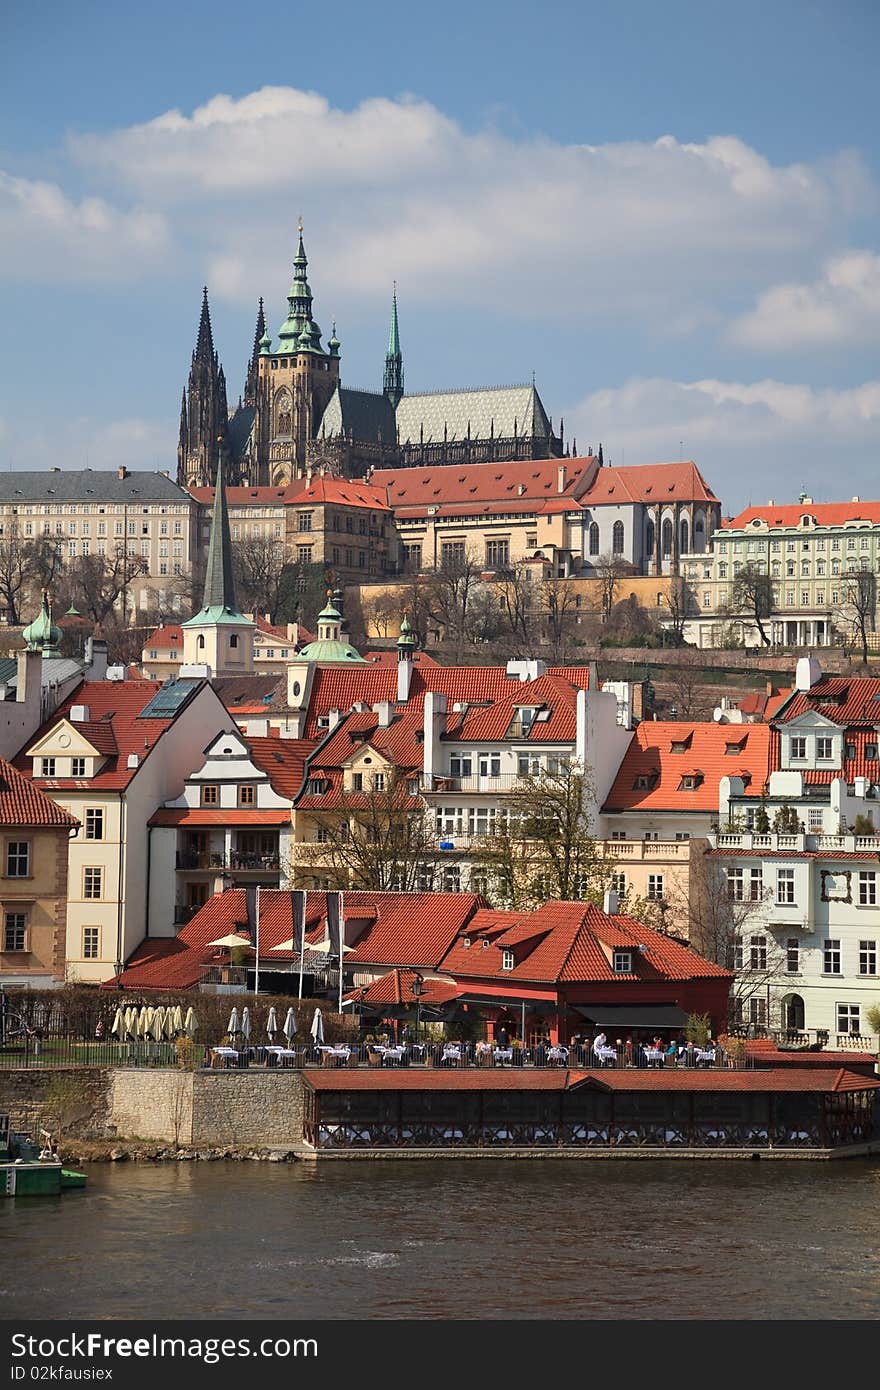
[
  {"x": 218, "y": 602},
  {"x": 393, "y": 385}
]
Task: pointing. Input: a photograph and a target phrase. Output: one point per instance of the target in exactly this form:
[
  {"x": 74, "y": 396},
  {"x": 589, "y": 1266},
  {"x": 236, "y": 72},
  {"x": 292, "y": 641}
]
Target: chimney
[
  {"x": 770, "y": 502},
  {"x": 333, "y": 718},
  {"x": 520, "y": 489},
  {"x": 857, "y": 498},
  {"x": 807, "y": 673},
  {"x": 56, "y": 470},
  {"x": 122, "y": 472},
  {"x": 79, "y": 714},
  {"x": 382, "y": 709},
  {"x": 610, "y": 903},
  {"x": 560, "y": 478}
]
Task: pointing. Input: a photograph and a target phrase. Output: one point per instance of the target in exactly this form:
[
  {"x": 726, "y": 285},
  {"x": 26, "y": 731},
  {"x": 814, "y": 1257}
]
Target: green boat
[{"x": 26, "y": 1170}]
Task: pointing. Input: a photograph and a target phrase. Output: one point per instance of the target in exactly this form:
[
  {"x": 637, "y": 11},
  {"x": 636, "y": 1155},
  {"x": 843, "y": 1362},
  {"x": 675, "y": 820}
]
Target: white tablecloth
[
  {"x": 559, "y": 1054},
  {"x": 605, "y": 1054},
  {"x": 504, "y": 1054},
  {"x": 653, "y": 1054}
]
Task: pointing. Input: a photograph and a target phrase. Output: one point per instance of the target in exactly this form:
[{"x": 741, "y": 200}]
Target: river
[{"x": 447, "y": 1239}]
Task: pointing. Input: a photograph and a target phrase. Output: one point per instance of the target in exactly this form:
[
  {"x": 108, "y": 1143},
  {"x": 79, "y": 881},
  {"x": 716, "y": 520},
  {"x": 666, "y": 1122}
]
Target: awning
[{"x": 626, "y": 1016}]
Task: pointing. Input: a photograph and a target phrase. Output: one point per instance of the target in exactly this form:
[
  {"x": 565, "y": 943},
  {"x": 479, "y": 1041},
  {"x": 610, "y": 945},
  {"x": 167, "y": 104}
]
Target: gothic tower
[
  {"x": 204, "y": 415},
  {"x": 252, "y": 380},
  {"x": 296, "y": 379},
  {"x": 393, "y": 384}
]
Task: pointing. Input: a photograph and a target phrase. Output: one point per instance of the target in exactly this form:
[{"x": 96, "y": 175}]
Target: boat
[{"x": 26, "y": 1170}]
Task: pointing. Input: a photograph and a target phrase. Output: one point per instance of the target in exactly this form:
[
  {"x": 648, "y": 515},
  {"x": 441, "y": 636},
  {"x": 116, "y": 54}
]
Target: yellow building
[{"x": 33, "y": 883}]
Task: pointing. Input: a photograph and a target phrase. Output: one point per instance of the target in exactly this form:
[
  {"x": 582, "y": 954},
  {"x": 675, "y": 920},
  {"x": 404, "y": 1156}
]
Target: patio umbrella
[
  {"x": 317, "y": 1028},
  {"x": 118, "y": 1024},
  {"x": 157, "y": 1023},
  {"x": 271, "y": 1024},
  {"x": 131, "y": 1022},
  {"x": 246, "y": 1023},
  {"x": 169, "y": 1030},
  {"x": 232, "y": 1026},
  {"x": 145, "y": 1018},
  {"x": 190, "y": 1023},
  {"x": 289, "y": 1029},
  {"x": 178, "y": 1019}
]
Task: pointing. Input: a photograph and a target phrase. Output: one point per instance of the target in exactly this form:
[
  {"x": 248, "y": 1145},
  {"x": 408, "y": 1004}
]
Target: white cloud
[
  {"x": 762, "y": 438},
  {"x": 663, "y": 233},
  {"x": 44, "y": 232},
  {"x": 88, "y": 443},
  {"x": 842, "y": 308}
]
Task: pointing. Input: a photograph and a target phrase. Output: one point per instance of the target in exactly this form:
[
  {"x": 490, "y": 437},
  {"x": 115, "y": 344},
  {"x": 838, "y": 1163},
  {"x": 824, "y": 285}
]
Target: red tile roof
[
  {"x": 384, "y": 929},
  {"x": 187, "y": 815},
  {"x": 650, "y": 755},
  {"x": 562, "y": 942},
  {"x": 826, "y": 514},
  {"x": 113, "y": 727},
  {"x": 395, "y": 987},
  {"x": 846, "y": 700},
  {"x": 283, "y": 760},
  {"x": 164, "y": 639},
  {"x": 339, "y": 491},
  {"x": 650, "y": 482},
  {"x": 443, "y": 1079},
  {"x": 463, "y": 489},
  {"x": 561, "y": 1079},
  {"x": 24, "y": 806}
]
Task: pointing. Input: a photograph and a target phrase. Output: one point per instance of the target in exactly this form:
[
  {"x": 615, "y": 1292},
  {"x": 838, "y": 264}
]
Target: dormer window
[
  {"x": 681, "y": 745},
  {"x": 484, "y": 942},
  {"x": 77, "y": 767},
  {"x": 798, "y": 749},
  {"x": 645, "y": 781},
  {"x": 47, "y": 767},
  {"x": 690, "y": 781},
  {"x": 507, "y": 960},
  {"x": 466, "y": 943},
  {"x": 622, "y": 963}
]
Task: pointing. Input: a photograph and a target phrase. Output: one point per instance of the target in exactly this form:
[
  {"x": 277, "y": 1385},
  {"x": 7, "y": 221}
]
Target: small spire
[
  {"x": 219, "y": 578},
  {"x": 205, "y": 341},
  {"x": 393, "y": 383}
]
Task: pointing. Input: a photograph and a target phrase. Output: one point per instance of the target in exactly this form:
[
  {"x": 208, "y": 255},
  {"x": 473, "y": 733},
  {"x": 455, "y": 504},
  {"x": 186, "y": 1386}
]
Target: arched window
[
  {"x": 684, "y": 536},
  {"x": 233, "y": 640},
  {"x": 594, "y": 538},
  {"x": 617, "y": 538},
  {"x": 282, "y": 413},
  {"x": 649, "y": 538},
  {"x": 201, "y": 642},
  {"x": 699, "y": 532},
  {"x": 666, "y": 542}
]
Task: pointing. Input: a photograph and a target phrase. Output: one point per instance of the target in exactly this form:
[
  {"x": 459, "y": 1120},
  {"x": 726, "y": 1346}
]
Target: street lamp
[{"x": 418, "y": 988}]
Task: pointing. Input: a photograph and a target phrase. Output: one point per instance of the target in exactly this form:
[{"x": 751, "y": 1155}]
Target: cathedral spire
[
  {"x": 393, "y": 384},
  {"x": 253, "y": 372},
  {"x": 204, "y": 412},
  {"x": 205, "y": 341},
  {"x": 299, "y": 331}
]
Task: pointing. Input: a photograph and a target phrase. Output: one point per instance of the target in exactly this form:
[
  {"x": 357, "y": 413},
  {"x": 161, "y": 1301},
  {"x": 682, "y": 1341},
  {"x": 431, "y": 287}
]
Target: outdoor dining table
[
  {"x": 653, "y": 1056},
  {"x": 389, "y": 1054},
  {"x": 558, "y": 1053},
  {"x": 705, "y": 1055},
  {"x": 605, "y": 1055},
  {"x": 451, "y": 1053},
  {"x": 340, "y": 1054},
  {"x": 283, "y": 1055},
  {"x": 228, "y": 1055},
  {"x": 503, "y": 1054}
]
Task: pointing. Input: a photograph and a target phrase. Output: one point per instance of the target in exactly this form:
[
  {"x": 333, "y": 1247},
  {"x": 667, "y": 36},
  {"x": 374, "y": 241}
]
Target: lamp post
[{"x": 418, "y": 988}]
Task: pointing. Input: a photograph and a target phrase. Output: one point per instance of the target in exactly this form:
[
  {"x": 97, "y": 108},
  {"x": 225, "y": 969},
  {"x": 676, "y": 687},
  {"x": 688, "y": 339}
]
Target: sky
[{"x": 668, "y": 213}]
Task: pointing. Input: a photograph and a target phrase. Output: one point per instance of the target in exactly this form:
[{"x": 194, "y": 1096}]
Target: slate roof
[
  {"x": 24, "y": 806},
  {"x": 501, "y": 411},
  {"x": 366, "y": 415},
  {"x": 713, "y": 751},
  {"x": 240, "y": 427},
  {"x": 88, "y": 485}
]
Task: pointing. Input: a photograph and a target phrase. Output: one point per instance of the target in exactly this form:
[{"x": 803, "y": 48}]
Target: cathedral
[{"x": 295, "y": 416}]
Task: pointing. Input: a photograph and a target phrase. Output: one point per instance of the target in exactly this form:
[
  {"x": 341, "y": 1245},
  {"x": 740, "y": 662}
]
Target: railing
[
  {"x": 32, "y": 1051},
  {"x": 749, "y": 839},
  {"x": 470, "y": 1056},
  {"x": 501, "y": 781},
  {"x": 648, "y": 849},
  {"x": 236, "y": 860}
]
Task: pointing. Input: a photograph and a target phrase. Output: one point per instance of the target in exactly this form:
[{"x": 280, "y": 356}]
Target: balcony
[
  {"x": 649, "y": 849},
  {"x": 201, "y": 861},
  {"x": 501, "y": 782},
  {"x": 809, "y": 842}
]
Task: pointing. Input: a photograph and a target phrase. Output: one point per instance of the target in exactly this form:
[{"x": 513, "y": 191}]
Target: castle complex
[{"x": 295, "y": 416}]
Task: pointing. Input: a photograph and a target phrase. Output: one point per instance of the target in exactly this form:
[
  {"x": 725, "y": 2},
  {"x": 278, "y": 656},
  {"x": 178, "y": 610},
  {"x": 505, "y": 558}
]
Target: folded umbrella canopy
[
  {"x": 232, "y": 1026},
  {"x": 157, "y": 1024},
  {"x": 289, "y": 1028},
  {"x": 190, "y": 1023},
  {"x": 317, "y": 1028},
  {"x": 118, "y": 1025},
  {"x": 178, "y": 1019},
  {"x": 147, "y": 1021},
  {"x": 142, "y": 1021},
  {"x": 271, "y": 1023},
  {"x": 246, "y": 1023}
]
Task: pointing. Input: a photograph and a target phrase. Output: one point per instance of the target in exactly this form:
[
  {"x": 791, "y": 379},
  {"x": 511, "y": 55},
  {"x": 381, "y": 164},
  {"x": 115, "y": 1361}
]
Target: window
[
  {"x": 867, "y": 888},
  {"x": 78, "y": 765},
  {"x": 47, "y": 767},
  {"x": 378, "y": 781},
  {"x": 15, "y": 931},
  {"x": 824, "y": 747},
  {"x": 618, "y": 884},
  {"x": 247, "y": 796},
  {"x": 357, "y": 781},
  {"x": 304, "y": 521},
  {"x": 211, "y": 795},
  {"x": 651, "y": 835},
  {"x": 737, "y": 953},
  {"x": 507, "y": 960},
  {"x": 814, "y": 819},
  {"x": 785, "y": 885},
  {"x": 622, "y": 962},
  {"x": 798, "y": 748},
  {"x": 460, "y": 765},
  {"x": 617, "y": 538},
  {"x": 655, "y": 887},
  {"x": 490, "y": 764},
  {"x": 735, "y": 885},
  {"x": 92, "y": 882},
  {"x": 304, "y": 554},
  {"x": 792, "y": 956},
  {"x": 758, "y": 953},
  {"x": 233, "y": 640},
  {"x": 95, "y": 823},
  {"x": 754, "y": 1010},
  {"x": 867, "y": 957},
  {"x": 831, "y": 956},
  {"x": 848, "y": 1019},
  {"x": 451, "y": 880},
  {"x": 91, "y": 942},
  {"x": 756, "y": 885},
  {"x": 452, "y": 553},
  {"x": 594, "y": 538},
  {"x": 497, "y": 553},
  {"x": 618, "y": 834},
  {"x": 18, "y": 859}
]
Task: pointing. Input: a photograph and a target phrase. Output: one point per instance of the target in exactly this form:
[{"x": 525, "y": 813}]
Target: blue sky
[{"x": 668, "y": 213}]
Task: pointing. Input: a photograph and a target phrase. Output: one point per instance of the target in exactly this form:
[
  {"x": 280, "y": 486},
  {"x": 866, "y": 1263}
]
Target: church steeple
[
  {"x": 299, "y": 333},
  {"x": 393, "y": 384},
  {"x": 251, "y": 384},
  {"x": 204, "y": 417},
  {"x": 219, "y": 577},
  {"x": 220, "y": 636}
]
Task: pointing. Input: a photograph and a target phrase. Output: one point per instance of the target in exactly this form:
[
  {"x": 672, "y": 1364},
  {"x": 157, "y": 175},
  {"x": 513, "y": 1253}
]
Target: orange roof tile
[
  {"x": 650, "y": 774},
  {"x": 650, "y": 482},
  {"x": 826, "y": 514},
  {"x": 523, "y": 485},
  {"x": 24, "y": 806}
]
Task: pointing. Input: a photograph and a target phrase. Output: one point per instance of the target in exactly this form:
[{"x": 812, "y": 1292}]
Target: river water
[{"x": 447, "y": 1239}]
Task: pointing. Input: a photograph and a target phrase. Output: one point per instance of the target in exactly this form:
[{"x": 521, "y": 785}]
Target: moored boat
[{"x": 26, "y": 1170}]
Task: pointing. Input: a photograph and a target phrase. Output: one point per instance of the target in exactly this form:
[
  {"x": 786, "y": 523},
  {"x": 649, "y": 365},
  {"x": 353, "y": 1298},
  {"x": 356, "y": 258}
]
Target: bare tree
[
  {"x": 450, "y": 590},
  {"x": 559, "y": 605},
  {"x": 259, "y": 566},
  {"x": 380, "y": 840},
  {"x": 859, "y": 611},
  {"x": 542, "y": 846},
  {"x": 611, "y": 570},
  {"x": 751, "y": 596},
  {"x": 97, "y": 583},
  {"x": 381, "y": 613},
  {"x": 680, "y": 602},
  {"x": 685, "y": 684},
  {"x": 15, "y": 568},
  {"x": 516, "y": 601}
]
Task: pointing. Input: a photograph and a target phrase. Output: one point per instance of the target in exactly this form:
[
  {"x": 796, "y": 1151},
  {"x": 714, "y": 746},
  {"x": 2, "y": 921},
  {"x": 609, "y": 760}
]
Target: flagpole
[
  {"x": 341, "y": 945},
  {"x": 257, "y": 943},
  {"x": 302, "y": 947}
]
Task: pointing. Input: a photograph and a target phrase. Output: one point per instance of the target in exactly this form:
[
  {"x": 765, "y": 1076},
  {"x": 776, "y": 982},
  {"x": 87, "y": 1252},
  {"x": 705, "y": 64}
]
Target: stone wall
[
  {"x": 248, "y": 1107},
  {"x": 151, "y": 1103},
  {"x": 69, "y": 1100}
]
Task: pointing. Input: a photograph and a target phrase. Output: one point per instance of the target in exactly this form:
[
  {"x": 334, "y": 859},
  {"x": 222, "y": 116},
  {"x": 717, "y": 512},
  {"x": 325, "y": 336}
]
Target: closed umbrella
[
  {"x": 317, "y": 1029},
  {"x": 118, "y": 1024},
  {"x": 289, "y": 1029},
  {"x": 271, "y": 1024},
  {"x": 132, "y": 1026},
  {"x": 169, "y": 1030},
  {"x": 178, "y": 1019},
  {"x": 157, "y": 1024},
  {"x": 190, "y": 1023},
  {"x": 246, "y": 1023},
  {"x": 144, "y": 1021},
  {"x": 232, "y": 1025}
]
